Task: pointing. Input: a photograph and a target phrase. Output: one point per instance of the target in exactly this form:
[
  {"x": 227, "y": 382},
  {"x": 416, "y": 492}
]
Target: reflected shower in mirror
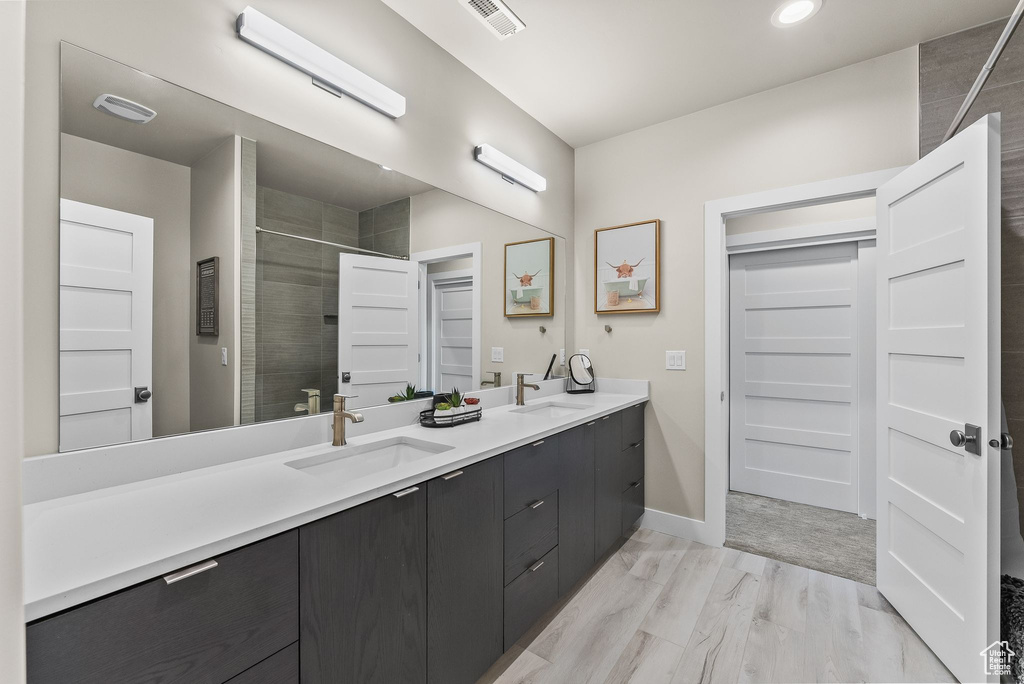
[{"x": 219, "y": 270}]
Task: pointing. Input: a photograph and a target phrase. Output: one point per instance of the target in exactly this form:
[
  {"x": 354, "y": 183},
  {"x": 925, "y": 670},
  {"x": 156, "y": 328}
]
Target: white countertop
[{"x": 80, "y": 547}]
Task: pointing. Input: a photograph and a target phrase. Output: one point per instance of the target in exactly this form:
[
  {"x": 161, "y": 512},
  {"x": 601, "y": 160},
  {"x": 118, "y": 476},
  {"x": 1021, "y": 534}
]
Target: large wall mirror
[{"x": 218, "y": 270}]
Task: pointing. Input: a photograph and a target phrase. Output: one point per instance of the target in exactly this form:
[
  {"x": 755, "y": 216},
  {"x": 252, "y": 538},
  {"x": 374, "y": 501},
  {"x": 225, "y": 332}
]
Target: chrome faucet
[
  {"x": 312, "y": 405},
  {"x": 496, "y": 382},
  {"x": 521, "y": 385},
  {"x": 340, "y": 414}
]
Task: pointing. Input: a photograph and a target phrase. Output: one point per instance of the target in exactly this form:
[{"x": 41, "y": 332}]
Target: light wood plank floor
[{"x": 667, "y": 610}]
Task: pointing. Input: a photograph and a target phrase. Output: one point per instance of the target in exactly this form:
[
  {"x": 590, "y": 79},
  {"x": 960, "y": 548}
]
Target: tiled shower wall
[
  {"x": 949, "y": 66},
  {"x": 297, "y": 292}
]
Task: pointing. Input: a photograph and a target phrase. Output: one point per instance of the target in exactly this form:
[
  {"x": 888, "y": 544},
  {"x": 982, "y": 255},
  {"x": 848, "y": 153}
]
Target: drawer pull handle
[
  {"x": 536, "y": 566},
  {"x": 537, "y": 504},
  {"x": 405, "y": 492},
  {"x": 593, "y": 422},
  {"x": 635, "y": 485},
  {"x": 189, "y": 572},
  {"x": 635, "y": 445},
  {"x": 538, "y": 442},
  {"x": 451, "y": 476},
  {"x": 605, "y": 417}
]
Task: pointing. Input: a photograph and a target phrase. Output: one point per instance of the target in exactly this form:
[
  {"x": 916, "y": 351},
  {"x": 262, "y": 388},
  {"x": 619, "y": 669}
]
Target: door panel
[
  {"x": 938, "y": 370},
  {"x": 378, "y": 327},
  {"x": 106, "y": 325},
  {"x": 452, "y": 330},
  {"x": 793, "y": 375}
]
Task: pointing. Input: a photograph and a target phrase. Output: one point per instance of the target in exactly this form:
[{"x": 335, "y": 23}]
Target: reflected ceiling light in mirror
[
  {"x": 509, "y": 168},
  {"x": 328, "y": 72},
  {"x": 795, "y": 12},
  {"x": 386, "y": 168}
]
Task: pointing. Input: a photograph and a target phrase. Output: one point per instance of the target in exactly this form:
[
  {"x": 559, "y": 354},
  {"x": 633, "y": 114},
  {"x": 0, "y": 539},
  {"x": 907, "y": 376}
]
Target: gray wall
[
  {"x": 12, "y": 158},
  {"x": 949, "y": 66},
  {"x": 193, "y": 43},
  {"x": 106, "y": 176},
  {"x": 296, "y": 292},
  {"x": 216, "y": 232},
  {"x": 386, "y": 228}
]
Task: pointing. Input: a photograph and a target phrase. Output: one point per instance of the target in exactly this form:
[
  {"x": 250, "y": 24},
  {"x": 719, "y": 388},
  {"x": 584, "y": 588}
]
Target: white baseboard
[{"x": 678, "y": 526}]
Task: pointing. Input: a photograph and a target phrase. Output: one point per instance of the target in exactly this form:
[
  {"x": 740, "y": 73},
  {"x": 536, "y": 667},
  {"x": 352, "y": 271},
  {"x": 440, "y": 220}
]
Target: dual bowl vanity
[{"x": 409, "y": 555}]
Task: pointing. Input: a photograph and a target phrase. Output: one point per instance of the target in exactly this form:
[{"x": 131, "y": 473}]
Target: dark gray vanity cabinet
[
  {"x": 464, "y": 572},
  {"x": 203, "y": 629},
  {"x": 608, "y": 483},
  {"x": 575, "y": 505},
  {"x": 363, "y": 593}
]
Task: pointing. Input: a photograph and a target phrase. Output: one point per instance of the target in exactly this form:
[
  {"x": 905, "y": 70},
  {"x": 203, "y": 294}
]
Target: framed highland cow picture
[
  {"x": 627, "y": 275},
  {"x": 529, "y": 274}
]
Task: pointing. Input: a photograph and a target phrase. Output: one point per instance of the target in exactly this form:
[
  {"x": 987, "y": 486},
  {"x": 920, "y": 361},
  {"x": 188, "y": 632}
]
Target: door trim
[{"x": 716, "y": 318}]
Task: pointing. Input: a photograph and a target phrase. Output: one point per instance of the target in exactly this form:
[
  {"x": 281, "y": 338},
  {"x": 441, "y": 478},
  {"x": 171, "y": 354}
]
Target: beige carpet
[{"x": 838, "y": 543}]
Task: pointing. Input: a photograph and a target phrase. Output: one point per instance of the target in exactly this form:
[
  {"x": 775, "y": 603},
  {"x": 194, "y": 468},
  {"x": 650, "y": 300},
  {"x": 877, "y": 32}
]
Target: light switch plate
[
  {"x": 675, "y": 360},
  {"x": 223, "y": 356},
  {"x": 498, "y": 354},
  {"x": 561, "y": 357}
]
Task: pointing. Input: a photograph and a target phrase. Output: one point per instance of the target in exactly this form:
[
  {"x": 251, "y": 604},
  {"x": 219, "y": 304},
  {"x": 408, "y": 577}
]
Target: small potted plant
[
  {"x": 408, "y": 395},
  {"x": 455, "y": 399},
  {"x": 443, "y": 412}
]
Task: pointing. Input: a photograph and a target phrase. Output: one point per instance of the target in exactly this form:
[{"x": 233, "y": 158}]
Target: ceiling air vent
[
  {"x": 496, "y": 16},
  {"x": 123, "y": 109}
]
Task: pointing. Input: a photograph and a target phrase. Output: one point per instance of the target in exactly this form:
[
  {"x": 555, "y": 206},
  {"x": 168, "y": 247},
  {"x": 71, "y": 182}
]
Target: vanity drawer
[
  {"x": 632, "y": 425},
  {"x": 530, "y": 534},
  {"x": 531, "y": 472},
  {"x": 632, "y": 465},
  {"x": 203, "y": 629},
  {"x": 632, "y": 506},
  {"x": 280, "y": 668},
  {"x": 529, "y": 596}
]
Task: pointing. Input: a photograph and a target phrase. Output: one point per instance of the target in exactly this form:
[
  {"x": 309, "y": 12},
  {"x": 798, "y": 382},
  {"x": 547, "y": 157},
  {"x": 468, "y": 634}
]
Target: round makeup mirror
[{"x": 580, "y": 369}]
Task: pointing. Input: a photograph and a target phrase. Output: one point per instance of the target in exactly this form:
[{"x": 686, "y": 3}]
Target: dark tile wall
[
  {"x": 386, "y": 228},
  {"x": 296, "y": 291},
  {"x": 948, "y": 67}
]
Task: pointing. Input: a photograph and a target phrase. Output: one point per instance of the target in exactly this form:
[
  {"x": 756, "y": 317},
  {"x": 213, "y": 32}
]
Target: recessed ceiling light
[{"x": 795, "y": 12}]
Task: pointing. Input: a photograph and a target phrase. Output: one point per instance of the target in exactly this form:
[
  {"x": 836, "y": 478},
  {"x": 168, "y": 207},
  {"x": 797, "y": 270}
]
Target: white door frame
[
  {"x": 457, "y": 277},
  {"x": 716, "y": 321},
  {"x": 470, "y": 250}
]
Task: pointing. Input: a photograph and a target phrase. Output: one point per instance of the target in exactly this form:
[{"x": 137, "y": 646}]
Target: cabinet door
[
  {"x": 464, "y": 573},
  {"x": 608, "y": 477},
  {"x": 575, "y": 505},
  {"x": 363, "y": 585}
]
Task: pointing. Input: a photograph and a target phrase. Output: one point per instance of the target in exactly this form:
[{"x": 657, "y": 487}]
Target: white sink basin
[
  {"x": 361, "y": 460},
  {"x": 550, "y": 409}
]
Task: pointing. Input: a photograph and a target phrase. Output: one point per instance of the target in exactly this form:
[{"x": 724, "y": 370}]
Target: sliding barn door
[{"x": 938, "y": 396}]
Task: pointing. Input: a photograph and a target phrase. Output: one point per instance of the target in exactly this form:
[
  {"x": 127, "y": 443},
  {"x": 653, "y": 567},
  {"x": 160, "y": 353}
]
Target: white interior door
[
  {"x": 793, "y": 375},
  {"x": 378, "y": 327},
  {"x": 106, "y": 326},
  {"x": 451, "y": 329},
  {"x": 938, "y": 371}
]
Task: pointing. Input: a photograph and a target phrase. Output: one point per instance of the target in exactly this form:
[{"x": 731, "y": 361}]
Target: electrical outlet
[
  {"x": 498, "y": 354},
  {"x": 561, "y": 357},
  {"x": 675, "y": 360},
  {"x": 223, "y": 356}
]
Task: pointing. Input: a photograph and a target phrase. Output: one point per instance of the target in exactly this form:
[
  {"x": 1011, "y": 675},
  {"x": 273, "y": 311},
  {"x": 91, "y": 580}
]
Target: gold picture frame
[
  {"x": 532, "y": 293},
  {"x": 626, "y": 288}
]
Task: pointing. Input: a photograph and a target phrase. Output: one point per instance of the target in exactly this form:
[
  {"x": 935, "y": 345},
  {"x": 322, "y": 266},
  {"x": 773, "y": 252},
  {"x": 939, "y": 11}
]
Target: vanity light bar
[
  {"x": 509, "y": 168},
  {"x": 328, "y": 71}
]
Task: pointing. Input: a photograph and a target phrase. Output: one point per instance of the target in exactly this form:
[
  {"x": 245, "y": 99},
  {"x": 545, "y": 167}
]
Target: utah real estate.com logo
[{"x": 998, "y": 657}]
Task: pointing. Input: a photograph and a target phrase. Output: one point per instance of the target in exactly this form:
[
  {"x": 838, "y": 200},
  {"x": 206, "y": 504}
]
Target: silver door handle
[
  {"x": 451, "y": 476},
  {"x": 957, "y": 438},
  {"x": 405, "y": 492},
  {"x": 142, "y": 395},
  {"x": 1004, "y": 442},
  {"x": 536, "y": 566},
  {"x": 189, "y": 572},
  {"x": 969, "y": 438}
]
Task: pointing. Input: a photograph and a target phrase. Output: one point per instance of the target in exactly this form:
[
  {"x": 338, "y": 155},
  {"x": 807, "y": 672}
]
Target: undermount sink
[
  {"x": 550, "y": 409},
  {"x": 360, "y": 460}
]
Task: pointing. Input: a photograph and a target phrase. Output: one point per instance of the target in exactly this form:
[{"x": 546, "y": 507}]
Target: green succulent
[
  {"x": 455, "y": 397},
  {"x": 408, "y": 395},
  {"x": 443, "y": 406}
]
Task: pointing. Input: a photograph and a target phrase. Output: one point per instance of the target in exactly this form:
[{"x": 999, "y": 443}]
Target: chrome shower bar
[
  {"x": 335, "y": 244},
  {"x": 986, "y": 70}
]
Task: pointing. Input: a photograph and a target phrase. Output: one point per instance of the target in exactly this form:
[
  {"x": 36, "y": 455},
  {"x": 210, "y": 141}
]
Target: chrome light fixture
[
  {"x": 328, "y": 72},
  {"x": 510, "y": 169}
]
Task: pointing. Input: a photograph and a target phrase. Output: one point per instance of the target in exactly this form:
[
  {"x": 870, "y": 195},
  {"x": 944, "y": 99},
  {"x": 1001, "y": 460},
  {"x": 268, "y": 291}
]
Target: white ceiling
[
  {"x": 592, "y": 69},
  {"x": 188, "y": 126}
]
